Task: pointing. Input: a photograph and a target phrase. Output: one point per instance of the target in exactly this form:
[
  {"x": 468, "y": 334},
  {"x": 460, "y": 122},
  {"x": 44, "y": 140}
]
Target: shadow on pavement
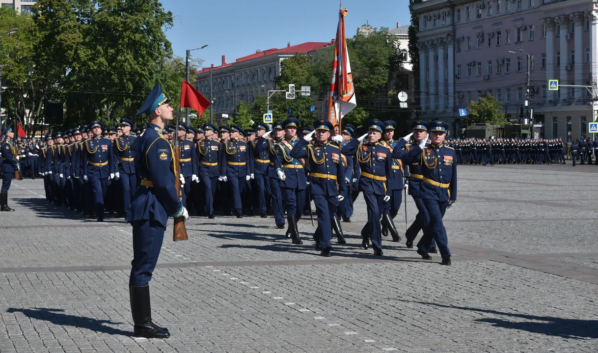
[
  {"x": 50, "y": 210},
  {"x": 56, "y": 317},
  {"x": 546, "y": 325}
]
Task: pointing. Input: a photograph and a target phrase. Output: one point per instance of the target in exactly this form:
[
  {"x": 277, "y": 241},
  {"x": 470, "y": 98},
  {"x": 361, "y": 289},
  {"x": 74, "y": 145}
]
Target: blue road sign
[
  {"x": 312, "y": 108},
  {"x": 553, "y": 85},
  {"x": 268, "y": 119},
  {"x": 463, "y": 112},
  {"x": 593, "y": 128},
  {"x": 290, "y": 112}
]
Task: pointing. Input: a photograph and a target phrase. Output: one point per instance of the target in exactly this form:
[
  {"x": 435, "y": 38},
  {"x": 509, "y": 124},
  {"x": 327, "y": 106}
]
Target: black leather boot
[
  {"x": 336, "y": 225},
  {"x": 365, "y": 236},
  {"x": 142, "y": 314},
  {"x": 294, "y": 230},
  {"x": 390, "y": 225},
  {"x": 4, "y": 203}
]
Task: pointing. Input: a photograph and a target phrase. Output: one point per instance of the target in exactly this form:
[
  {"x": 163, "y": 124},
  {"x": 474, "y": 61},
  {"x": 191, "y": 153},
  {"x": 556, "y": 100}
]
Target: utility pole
[
  {"x": 527, "y": 85},
  {"x": 187, "y": 58},
  {"x": 211, "y": 98}
]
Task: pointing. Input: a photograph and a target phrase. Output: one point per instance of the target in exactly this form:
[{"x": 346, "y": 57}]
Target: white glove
[
  {"x": 61, "y": 176},
  {"x": 362, "y": 137},
  {"x": 181, "y": 213},
  {"x": 117, "y": 175},
  {"x": 281, "y": 174},
  {"x": 247, "y": 177},
  {"x": 266, "y": 134},
  {"x": 347, "y": 180},
  {"x": 422, "y": 144},
  {"x": 30, "y": 154},
  {"x": 182, "y": 179},
  {"x": 337, "y": 138},
  {"x": 408, "y": 137},
  {"x": 225, "y": 178},
  {"x": 252, "y": 176},
  {"x": 307, "y": 182},
  {"x": 386, "y": 198},
  {"x": 220, "y": 178},
  {"x": 68, "y": 177},
  {"x": 308, "y": 137},
  {"x": 354, "y": 180},
  {"x": 84, "y": 177},
  {"x": 111, "y": 175},
  {"x": 17, "y": 158},
  {"x": 406, "y": 186},
  {"x": 340, "y": 197},
  {"x": 195, "y": 178},
  {"x": 50, "y": 172}
]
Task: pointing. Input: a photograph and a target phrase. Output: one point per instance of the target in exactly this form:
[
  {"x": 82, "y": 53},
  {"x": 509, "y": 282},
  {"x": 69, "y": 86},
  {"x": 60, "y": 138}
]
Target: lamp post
[
  {"x": 188, "y": 58},
  {"x": 527, "y": 84},
  {"x": 11, "y": 31}
]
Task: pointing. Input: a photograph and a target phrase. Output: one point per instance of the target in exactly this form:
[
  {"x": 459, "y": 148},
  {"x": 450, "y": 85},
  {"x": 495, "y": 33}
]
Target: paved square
[{"x": 524, "y": 278}]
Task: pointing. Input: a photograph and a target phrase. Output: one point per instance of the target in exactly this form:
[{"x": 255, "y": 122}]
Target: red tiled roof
[{"x": 300, "y": 48}]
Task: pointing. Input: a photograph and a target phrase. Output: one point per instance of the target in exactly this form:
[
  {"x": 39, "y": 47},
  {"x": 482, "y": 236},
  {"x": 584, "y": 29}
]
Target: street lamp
[
  {"x": 188, "y": 57},
  {"x": 11, "y": 31},
  {"x": 527, "y": 84}
]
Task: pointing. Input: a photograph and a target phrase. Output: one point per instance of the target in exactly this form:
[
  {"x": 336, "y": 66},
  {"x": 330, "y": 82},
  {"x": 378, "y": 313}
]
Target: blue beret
[
  {"x": 323, "y": 125},
  {"x": 277, "y": 125},
  {"x": 155, "y": 99},
  {"x": 209, "y": 126},
  {"x": 262, "y": 126},
  {"x": 376, "y": 124},
  {"x": 7, "y": 130},
  {"x": 125, "y": 121},
  {"x": 95, "y": 123},
  {"x": 390, "y": 125},
  {"x": 438, "y": 126},
  {"x": 290, "y": 122},
  {"x": 419, "y": 125}
]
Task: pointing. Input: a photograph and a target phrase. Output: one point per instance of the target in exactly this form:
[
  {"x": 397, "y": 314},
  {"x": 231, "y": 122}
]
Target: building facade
[
  {"x": 19, "y": 5},
  {"x": 248, "y": 77},
  {"x": 510, "y": 49}
]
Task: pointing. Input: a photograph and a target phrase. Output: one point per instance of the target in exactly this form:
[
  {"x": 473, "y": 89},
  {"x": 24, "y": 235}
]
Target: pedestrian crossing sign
[
  {"x": 593, "y": 129},
  {"x": 553, "y": 85},
  {"x": 267, "y": 118}
]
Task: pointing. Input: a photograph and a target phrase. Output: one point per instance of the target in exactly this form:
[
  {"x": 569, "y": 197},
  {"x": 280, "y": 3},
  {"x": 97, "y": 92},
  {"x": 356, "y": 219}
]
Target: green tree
[
  {"x": 413, "y": 48},
  {"x": 487, "y": 110},
  {"x": 243, "y": 117}
]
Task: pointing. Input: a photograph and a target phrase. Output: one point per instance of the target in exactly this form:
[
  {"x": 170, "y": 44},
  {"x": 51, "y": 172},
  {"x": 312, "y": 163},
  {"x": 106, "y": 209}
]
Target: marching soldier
[
  {"x": 10, "y": 164},
  {"x": 45, "y": 167},
  {"x": 395, "y": 184},
  {"x": 154, "y": 201},
  {"x": 187, "y": 162},
  {"x": 58, "y": 161},
  {"x": 98, "y": 166},
  {"x": 238, "y": 166},
  {"x": 275, "y": 181},
  {"x": 210, "y": 166},
  {"x": 324, "y": 163},
  {"x": 261, "y": 161},
  {"x": 438, "y": 188},
  {"x": 376, "y": 167},
  {"x": 125, "y": 156}
]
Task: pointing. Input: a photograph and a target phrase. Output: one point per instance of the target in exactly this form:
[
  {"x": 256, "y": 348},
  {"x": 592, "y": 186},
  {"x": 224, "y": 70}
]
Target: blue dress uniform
[
  {"x": 376, "y": 168},
  {"x": 438, "y": 190},
  {"x": 155, "y": 199},
  {"x": 9, "y": 165},
  {"x": 125, "y": 156},
  {"x": 188, "y": 165},
  {"x": 396, "y": 185},
  {"x": 345, "y": 207},
  {"x": 275, "y": 193},
  {"x": 97, "y": 167},
  {"x": 574, "y": 152},
  {"x": 45, "y": 168},
  {"x": 76, "y": 171},
  {"x": 583, "y": 149},
  {"x": 261, "y": 181},
  {"x": 211, "y": 166},
  {"x": 295, "y": 182},
  {"x": 58, "y": 162},
  {"x": 326, "y": 172},
  {"x": 237, "y": 168},
  {"x": 68, "y": 182}
]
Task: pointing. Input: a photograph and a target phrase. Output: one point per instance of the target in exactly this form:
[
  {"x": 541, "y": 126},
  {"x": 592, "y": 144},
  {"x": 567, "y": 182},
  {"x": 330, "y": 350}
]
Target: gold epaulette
[{"x": 333, "y": 145}]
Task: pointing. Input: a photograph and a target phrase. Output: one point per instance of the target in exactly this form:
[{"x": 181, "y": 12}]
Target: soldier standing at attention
[
  {"x": 438, "y": 188},
  {"x": 238, "y": 166},
  {"x": 574, "y": 150},
  {"x": 210, "y": 166},
  {"x": 155, "y": 200},
  {"x": 260, "y": 163},
  {"x": 9, "y": 165},
  {"x": 126, "y": 164}
]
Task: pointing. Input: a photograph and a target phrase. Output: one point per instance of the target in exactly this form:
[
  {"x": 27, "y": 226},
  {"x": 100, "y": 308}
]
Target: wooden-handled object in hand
[{"x": 179, "y": 230}]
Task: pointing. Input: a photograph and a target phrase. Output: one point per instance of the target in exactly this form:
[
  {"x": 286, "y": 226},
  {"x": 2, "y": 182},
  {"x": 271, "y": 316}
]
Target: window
[
  {"x": 498, "y": 6},
  {"x": 468, "y": 43},
  {"x": 458, "y": 46},
  {"x": 498, "y": 95},
  {"x": 587, "y": 55},
  {"x": 479, "y": 14},
  {"x": 478, "y": 69},
  {"x": 543, "y": 60},
  {"x": 558, "y": 29},
  {"x": 572, "y": 27},
  {"x": 489, "y": 10},
  {"x": 443, "y": 18},
  {"x": 425, "y": 23},
  {"x": 434, "y": 21},
  {"x": 508, "y": 65},
  {"x": 568, "y": 127},
  {"x": 27, "y": 8},
  {"x": 518, "y": 35},
  {"x": 543, "y": 91},
  {"x": 498, "y": 68},
  {"x": 458, "y": 15},
  {"x": 469, "y": 71},
  {"x": 489, "y": 41},
  {"x": 489, "y": 67},
  {"x": 531, "y": 62},
  {"x": 572, "y": 57},
  {"x": 480, "y": 40},
  {"x": 507, "y": 6},
  {"x": 467, "y": 13},
  {"x": 519, "y": 93},
  {"x": 519, "y": 63},
  {"x": 587, "y": 24},
  {"x": 10, "y": 6},
  {"x": 518, "y": 4},
  {"x": 530, "y": 3},
  {"x": 543, "y": 30},
  {"x": 507, "y": 36},
  {"x": 531, "y": 33},
  {"x": 458, "y": 71},
  {"x": 583, "y": 125},
  {"x": 558, "y": 58},
  {"x": 498, "y": 38},
  {"x": 508, "y": 95}
]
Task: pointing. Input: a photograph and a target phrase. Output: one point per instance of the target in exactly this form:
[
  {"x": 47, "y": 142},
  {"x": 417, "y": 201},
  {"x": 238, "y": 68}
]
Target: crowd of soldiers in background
[{"x": 523, "y": 151}]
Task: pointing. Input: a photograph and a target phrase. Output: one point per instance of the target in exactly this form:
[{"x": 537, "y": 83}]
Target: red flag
[
  {"x": 20, "y": 131},
  {"x": 191, "y": 98}
]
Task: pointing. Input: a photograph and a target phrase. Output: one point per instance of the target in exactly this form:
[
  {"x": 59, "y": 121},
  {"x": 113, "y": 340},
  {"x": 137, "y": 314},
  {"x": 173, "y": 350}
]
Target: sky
[{"x": 237, "y": 28}]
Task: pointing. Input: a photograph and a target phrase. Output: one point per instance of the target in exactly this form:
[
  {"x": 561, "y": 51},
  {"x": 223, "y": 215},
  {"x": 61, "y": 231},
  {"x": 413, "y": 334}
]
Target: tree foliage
[{"x": 487, "y": 110}]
